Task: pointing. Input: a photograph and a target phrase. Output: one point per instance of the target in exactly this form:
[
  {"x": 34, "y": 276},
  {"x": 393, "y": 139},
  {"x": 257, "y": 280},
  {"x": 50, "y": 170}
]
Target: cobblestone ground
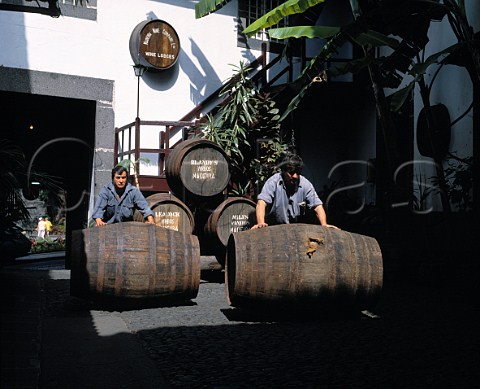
[{"x": 425, "y": 337}]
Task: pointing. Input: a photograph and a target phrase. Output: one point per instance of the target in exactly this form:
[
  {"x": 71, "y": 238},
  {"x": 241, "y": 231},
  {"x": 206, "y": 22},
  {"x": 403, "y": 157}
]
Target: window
[
  {"x": 83, "y": 9},
  {"x": 251, "y": 10},
  {"x": 74, "y": 8}
]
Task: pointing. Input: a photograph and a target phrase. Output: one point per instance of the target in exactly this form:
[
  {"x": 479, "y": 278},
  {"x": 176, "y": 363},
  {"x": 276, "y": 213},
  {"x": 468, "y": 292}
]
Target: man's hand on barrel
[
  {"x": 99, "y": 222},
  {"x": 260, "y": 214},
  {"x": 331, "y": 226},
  {"x": 150, "y": 220}
]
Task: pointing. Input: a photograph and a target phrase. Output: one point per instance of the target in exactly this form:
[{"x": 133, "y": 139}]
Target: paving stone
[{"x": 424, "y": 337}]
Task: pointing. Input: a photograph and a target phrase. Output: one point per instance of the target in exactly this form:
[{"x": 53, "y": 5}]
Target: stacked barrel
[{"x": 198, "y": 174}]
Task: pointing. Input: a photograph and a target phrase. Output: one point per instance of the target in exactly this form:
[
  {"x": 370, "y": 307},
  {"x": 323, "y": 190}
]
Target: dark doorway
[{"x": 57, "y": 136}]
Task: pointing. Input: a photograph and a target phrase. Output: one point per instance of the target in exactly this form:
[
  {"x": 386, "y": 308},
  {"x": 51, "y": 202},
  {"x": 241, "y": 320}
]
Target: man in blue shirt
[
  {"x": 286, "y": 195},
  {"x": 118, "y": 200}
]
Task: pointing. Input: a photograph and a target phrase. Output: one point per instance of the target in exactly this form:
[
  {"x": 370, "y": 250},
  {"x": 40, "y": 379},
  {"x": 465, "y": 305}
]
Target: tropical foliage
[
  {"x": 459, "y": 178},
  {"x": 47, "y": 244},
  {"x": 399, "y": 26},
  {"x": 12, "y": 205},
  {"x": 128, "y": 163},
  {"x": 375, "y": 24},
  {"x": 246, "y": 126},
  {"x": 16, "y": 177}
]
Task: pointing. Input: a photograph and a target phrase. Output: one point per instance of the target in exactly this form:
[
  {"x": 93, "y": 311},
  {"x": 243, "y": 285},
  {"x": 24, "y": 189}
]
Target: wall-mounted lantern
[{"x": 139, "y": 71}]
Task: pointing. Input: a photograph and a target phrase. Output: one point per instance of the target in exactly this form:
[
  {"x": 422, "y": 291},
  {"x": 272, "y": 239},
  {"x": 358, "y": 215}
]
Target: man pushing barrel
[
  {"x": 286, "y": 196},
  {"x": 118, "y": 200}
]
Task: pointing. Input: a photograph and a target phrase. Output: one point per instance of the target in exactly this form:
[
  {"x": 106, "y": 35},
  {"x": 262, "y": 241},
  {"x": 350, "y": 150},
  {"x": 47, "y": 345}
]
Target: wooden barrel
[
  {"x": 154, "y": 44},
  {"x": 232, "y": 215},
  {"x": 302, "y": 265},
  {"x": 197, "y": 167},
  {"x": 169, "y": 212},
  {"x": 134, "y": 260}
]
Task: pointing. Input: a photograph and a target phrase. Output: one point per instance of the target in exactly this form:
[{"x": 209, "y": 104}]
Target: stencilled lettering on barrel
[
  {"x": 239, "y": 223},
  {"x": 169, "y": 219},
  {"x": 203, "y": 169}
]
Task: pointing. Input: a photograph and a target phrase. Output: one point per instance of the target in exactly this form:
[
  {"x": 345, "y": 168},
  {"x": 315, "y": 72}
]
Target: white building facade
[{"x": 84, "y": 56}]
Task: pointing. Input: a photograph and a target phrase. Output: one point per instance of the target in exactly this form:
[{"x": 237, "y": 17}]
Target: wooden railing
[{"x": 128, "y": 146}]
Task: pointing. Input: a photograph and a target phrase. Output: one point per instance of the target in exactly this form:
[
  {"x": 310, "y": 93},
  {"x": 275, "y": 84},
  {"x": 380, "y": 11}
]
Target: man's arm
[
  {"x": 322, "y": 216},
  {"x": 99, "y": 209},
  {"x": 142, "y": 205},
  {"x": 260, "y": 212}
]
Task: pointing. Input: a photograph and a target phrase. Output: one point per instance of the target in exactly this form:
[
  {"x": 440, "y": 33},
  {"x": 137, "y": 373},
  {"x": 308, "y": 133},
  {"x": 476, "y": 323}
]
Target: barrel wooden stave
[
  {"x": 232, "y": 215},
  {"x": 135, "y": 260},
  {"x": 197, "y": 168},
  {"x": 169, "y": 212},
  {"x": 271, "y": 265}
]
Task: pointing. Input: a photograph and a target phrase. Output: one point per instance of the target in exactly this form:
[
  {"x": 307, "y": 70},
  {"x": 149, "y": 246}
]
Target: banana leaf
[
  {"x": 271, "y": 18},
  {"x": 295, "y": 102},
  {"x": 370, "y": 37},
  {"x": 205, "y": 7},
  {"x": 353, "y": 66},
  {"x": 421, "y": 68},
  {"x": 400, "y": 96},
  {"x": 376, "y": 39},
  {"x": 303, "y": 31}
]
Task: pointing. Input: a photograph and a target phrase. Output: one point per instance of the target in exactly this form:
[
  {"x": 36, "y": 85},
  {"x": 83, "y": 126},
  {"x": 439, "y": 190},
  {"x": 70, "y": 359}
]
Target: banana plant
[
  {"x": 402, "y": 26},
  {"x": 361, "y": 32},
  {"x": 205, "y": 7},
  {"x": 14, "y": 166},
  {"x": 246, "y": 126},
  {"x": 16, "y": 178},
  {"x": 127, "y": 163}
]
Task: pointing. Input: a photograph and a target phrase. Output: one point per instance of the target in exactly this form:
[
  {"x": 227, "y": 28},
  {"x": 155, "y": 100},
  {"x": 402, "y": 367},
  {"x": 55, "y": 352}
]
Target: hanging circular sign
[{"x": 154, "y": 44}]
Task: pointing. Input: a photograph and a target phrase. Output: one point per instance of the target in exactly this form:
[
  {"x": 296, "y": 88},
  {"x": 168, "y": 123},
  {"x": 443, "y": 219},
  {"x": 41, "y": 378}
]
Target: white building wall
[
  {"x": 54, "y": 52},
  {"x": 100, "y": 49}
]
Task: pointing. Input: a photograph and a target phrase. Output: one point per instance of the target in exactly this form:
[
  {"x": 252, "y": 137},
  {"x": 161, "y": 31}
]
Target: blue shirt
[
  {"x": 285, "y": 209},
  {"x": 111, "y": 210}
]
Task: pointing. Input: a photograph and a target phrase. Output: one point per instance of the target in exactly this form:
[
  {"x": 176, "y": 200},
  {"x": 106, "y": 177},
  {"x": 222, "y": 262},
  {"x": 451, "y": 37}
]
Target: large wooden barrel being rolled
[
  {"x": 302, "y": 265},
  {"x": 169, "y": 212},
  {"x": 197, "y": 168},
  {"x": 232, "y": 215},
  {"x": 134, "y": 260}
]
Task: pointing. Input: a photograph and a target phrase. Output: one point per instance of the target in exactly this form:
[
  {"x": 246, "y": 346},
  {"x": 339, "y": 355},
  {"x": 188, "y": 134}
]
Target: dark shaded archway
[{"x": 57, "y": 136}]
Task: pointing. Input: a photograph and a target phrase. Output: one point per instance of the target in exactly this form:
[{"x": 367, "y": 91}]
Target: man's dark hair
[
  {"x": 291, "y": 162},
  {"x": 119, "y": 169}
]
